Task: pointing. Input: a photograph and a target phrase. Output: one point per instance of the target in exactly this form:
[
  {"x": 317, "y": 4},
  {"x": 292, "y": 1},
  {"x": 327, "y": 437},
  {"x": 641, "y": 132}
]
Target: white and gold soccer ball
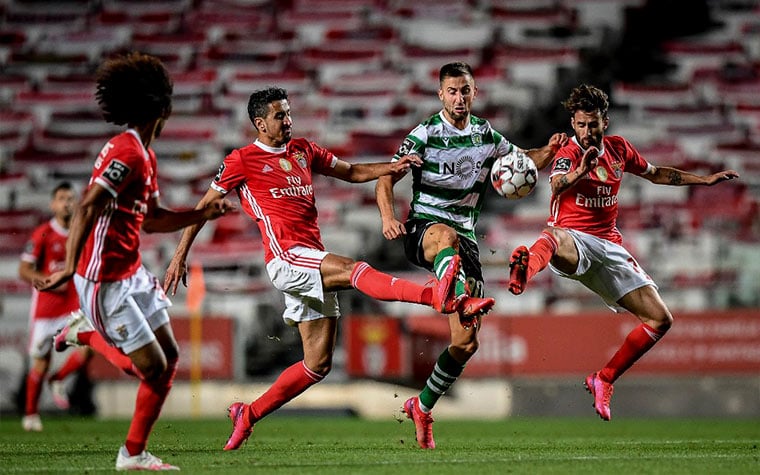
[{"x": 514, "y": 175}]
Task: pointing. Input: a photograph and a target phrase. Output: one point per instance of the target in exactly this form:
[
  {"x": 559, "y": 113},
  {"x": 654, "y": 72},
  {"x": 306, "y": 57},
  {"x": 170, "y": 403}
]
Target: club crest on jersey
[
  {"x": 300, "y": 159},
  {"x": 116, "y": 172},
  {"x": 477, "y": 139},
  {"x": 285, "y": 165},
  {"x": 601, "y": 173}
]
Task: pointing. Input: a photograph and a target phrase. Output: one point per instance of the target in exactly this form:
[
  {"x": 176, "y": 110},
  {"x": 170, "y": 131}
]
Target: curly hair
[
  {"x": 258, "y": 103},
  {"x": 133, "y": 89},
  {"x": 587, "y": 98}
]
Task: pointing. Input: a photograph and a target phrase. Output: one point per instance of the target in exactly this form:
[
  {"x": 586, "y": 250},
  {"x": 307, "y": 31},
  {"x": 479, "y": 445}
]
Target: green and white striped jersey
[{"x": 450, "y": 185}]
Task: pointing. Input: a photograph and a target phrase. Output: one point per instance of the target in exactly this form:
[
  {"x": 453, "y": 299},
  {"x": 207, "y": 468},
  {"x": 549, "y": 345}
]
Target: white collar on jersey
[
  {"x": 269, "y": 149},
  {"x": 58, "y": 228},
  {"x": 466, "y": 131},
  {"x": 601, "y": 149},
  {"x": 139, "y": 140}
]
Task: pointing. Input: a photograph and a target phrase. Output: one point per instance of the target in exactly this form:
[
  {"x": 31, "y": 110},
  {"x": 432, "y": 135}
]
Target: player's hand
[
  {"x": 403, "y": 164},
  {"x": 176, "y": 272},
  {"x": 557, "y": 141},
  {"x": 218, "y": 207},
  {"x": 719, "y": 177},
  {"x": 590, "y": 160},
  {"x": 52, "y": 281},
  {"x": 393, "y": 229}
]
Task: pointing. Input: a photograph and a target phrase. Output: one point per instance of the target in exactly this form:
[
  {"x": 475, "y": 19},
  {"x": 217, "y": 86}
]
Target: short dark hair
[
  {"x": 62, "y": 186},
  {"x": 587, "y": 98},
  {"x": 258, "y": 103},
  {"x": 134, "y": 88},
  {"x": 454, "y": 70}
]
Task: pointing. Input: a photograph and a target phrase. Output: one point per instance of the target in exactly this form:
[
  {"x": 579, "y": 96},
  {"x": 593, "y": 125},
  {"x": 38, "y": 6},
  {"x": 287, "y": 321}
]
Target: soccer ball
[{"x": 514, "y": 175}]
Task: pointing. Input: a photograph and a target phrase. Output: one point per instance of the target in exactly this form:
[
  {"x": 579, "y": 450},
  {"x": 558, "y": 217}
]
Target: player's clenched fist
[{"x": 218, "y": 207}]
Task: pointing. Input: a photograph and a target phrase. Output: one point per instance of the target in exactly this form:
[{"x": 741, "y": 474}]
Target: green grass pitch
[{"x": 289, "y": 444}]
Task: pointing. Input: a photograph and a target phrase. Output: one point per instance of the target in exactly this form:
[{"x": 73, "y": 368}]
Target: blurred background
[{"x": 684, "y": 83}]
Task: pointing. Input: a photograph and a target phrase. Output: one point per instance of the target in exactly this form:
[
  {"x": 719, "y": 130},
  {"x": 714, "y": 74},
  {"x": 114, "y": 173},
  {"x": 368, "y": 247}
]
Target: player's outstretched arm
[
  {"x": 392, "y": 227},
  {"x": 163, "y": 220},
  {"x": 675, "y": 177},
  {"x": 177, "y": 269},
  {"x": 364, "y": 172},
  {"x": 543, "y": 156}
]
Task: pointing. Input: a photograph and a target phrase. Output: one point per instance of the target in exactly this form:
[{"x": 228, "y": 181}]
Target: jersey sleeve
[
  {"x": 34, "y": 247},
  {"x": 634, "y": 162},
  {"x": 118, "y": 167},
  {"x": 413, "y": 144},
  {"x": 321, "y": 158},
  {"x": 503, "y": 146},
  {"x": 564, "y": 162},
  {"x": 230, "y": 174}
]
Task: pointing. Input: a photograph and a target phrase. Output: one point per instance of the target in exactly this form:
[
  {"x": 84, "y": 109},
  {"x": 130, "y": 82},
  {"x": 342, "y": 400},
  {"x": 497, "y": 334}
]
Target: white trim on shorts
[
  {"x": 605, "y": 268},
  {"x": 296, "y": 274},
  {"x": 125, "y": 312}
]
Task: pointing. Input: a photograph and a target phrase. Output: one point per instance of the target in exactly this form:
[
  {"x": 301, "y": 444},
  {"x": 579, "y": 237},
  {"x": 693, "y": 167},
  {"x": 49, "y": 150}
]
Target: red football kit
[
  {"x": 127, "y": 170},
  {"x": 46, "y": 249},
  {"x": 591, "y": 205},
  {"x": 275, "y": 189}
]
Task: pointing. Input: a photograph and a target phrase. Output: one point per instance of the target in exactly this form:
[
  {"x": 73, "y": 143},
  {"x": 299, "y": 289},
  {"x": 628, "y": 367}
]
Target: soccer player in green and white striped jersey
[{"x": 457, "y": 151}]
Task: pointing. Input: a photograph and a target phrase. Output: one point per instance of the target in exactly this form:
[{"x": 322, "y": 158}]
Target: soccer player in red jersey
[
  {"x": 121, "y": 299},
  {"x": 45, "y": 253},
  {"x": 582, "y": 241},
  {"x": 273, "y": 179}
]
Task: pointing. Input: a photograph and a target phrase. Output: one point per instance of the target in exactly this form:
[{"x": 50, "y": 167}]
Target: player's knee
[
  {"x": 449, "y": 237},
  {"x": 467, "y": 349},
  {"x": 663, "y": 322},
  {"x": 153, "y": 370},
  {"x": 322, "y": 367}
]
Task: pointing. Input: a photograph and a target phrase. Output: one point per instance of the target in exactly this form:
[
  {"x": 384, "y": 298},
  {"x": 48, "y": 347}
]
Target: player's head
[
  {"x": 135, "y": 90},
  {"x": 588, "y": 106},
  {"x": 456, "y": 91},
  {"x": 269, "y": 112},
  {"x": 62, "y": 200}
]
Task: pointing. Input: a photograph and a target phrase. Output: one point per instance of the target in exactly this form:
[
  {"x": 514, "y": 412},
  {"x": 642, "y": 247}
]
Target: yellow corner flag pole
[{"x": 196, "y": 292}]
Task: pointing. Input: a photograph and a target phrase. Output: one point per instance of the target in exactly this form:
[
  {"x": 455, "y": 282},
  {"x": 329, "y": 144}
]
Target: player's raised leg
[{"x": 525, "y": 263}]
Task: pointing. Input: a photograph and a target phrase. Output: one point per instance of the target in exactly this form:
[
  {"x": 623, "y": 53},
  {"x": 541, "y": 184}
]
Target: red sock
[
  {"x": 541, "y": 253},
  {"x": 296, "y": 379},
  {"x": 638, "y": 342},
  {"x": 382, "y": 286},
  {"x": 150, "y": 399},
  {"x": 33, "y": 390},
  {"x": 114, "y": 355},
  {"x": 73, "y": 363}
]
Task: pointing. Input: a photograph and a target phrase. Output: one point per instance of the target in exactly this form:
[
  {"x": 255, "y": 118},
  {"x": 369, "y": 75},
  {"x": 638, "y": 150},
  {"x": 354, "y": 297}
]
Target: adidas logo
[{"x": 266, "y": 169}]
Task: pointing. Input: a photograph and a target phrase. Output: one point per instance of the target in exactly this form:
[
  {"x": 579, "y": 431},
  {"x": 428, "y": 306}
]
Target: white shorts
[
  {"x": 606, "y": 268},
  {"x": 125, "y": 312},
  {"x": 41, "y": 333},
  {"x": 296, "y": 274}
]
